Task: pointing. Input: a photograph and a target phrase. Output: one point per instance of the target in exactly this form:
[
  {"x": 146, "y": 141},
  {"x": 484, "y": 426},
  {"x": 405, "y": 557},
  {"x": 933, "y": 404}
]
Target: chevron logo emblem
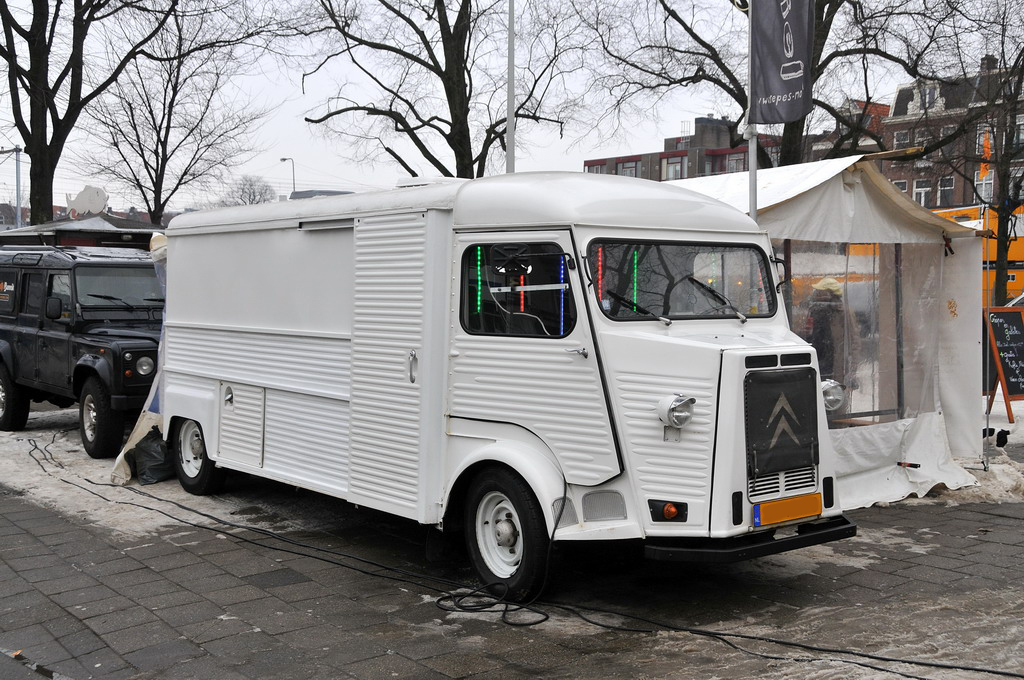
[{"x": 783, "y": 413}]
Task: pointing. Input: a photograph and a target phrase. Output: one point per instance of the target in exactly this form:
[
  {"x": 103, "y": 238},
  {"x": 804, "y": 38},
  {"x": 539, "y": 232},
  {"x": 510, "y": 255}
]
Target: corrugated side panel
[
  {"x": 390, "y": 263},
  {"x": 312, "y": 365},
  {"x": 539, "y": 385},
  {"x": 673, "y": 469},
  {"x": 306, "y": 440},
  {"x": 241, "y": 424}
]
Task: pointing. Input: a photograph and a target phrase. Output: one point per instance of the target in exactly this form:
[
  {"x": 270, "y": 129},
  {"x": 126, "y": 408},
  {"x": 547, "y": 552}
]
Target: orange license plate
[{"x": 774, "y": 512}]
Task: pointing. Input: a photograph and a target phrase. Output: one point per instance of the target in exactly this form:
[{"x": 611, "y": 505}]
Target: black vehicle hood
[{"x": 125, "y": 331}]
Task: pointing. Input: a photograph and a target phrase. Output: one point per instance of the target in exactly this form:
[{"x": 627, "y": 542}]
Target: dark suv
[{"x": 78, "y": 324}]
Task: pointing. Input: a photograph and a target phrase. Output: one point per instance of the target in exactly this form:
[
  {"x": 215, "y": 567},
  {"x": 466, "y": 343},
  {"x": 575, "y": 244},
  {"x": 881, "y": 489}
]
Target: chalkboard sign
[{"x": 1005, "y": 337}]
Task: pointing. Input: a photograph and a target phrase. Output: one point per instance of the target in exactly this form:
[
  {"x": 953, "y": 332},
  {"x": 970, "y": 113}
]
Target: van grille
[{"x": 782, "y": 483}]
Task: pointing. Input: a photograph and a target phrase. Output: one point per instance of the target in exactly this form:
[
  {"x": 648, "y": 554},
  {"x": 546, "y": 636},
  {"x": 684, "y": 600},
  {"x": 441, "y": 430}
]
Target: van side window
[
  {"x": 517, "y": 289},
  {"x": 8, "y": 280}
]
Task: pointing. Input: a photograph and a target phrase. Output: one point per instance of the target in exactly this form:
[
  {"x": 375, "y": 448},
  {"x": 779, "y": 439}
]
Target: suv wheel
[
  {"x": 102, "y": 427},
  {"x": 14, "y": 405}
]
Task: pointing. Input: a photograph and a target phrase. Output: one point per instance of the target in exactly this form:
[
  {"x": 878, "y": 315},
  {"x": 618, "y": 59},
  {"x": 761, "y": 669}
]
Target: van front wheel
[
  {"x": 506, "y": 535},
  {"x": 196, "y": 472}
]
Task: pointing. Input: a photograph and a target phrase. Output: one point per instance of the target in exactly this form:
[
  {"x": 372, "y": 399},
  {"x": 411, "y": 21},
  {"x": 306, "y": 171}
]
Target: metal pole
[
  {"x": 510, "y": 114},
  {"x": 293, "y": 171},
  {"x": 17, "y": 185},
  {"x": 751, "y": 133}
]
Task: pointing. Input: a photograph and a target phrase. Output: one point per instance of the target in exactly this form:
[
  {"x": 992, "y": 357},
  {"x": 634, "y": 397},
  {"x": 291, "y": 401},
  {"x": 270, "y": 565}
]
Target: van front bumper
[{"x": 749, "y": 546}]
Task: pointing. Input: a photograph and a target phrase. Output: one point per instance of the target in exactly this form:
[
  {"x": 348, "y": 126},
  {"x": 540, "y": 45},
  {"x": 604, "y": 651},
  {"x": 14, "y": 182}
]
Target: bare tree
[
  {"x": 655, "y": 48},
  {"x": 59, "y": 58},
  {"x": 430, "y": 77},
  {"x": 172, "y": 123},
  {"x": 248, "y": 190},
  {"x": 970, "y": 123}
]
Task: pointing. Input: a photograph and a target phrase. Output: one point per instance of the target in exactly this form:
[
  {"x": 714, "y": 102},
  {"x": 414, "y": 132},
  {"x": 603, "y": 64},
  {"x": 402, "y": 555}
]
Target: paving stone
[
  {"x": 206, "y": 667},
  {"x": 132, "y": 578},
  {"x": 101, "y": 607},
  {"x": 235, "y": 595},
  {"x": 63, "y": 625},
  {"x": 212, "y": 584},
  {"x": 217, "y": 629},
  {"x": 82, "y": 642},
  {"x": 391, "y": 666},
  {"x": 173, "y": 598},
  {"x": 34, "y": 634},
  {"x": 139, "y": 637},
  {"x": 277, "y": 577},
  {"x": 189, "y": 613},
  {"x": 91, "y": 593},
  {"x": 174, "y": 560},
  {"x": 162, "y": 656},
  {"x": 108, "y": 623},
  {"x": 103, "y": 662},
  {"x": 118, "y": 566},
  {"x": 931, "y": 574}
]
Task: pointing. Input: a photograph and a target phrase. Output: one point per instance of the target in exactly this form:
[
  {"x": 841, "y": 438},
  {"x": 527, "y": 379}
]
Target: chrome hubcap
[{"x": 89, "y": 417}]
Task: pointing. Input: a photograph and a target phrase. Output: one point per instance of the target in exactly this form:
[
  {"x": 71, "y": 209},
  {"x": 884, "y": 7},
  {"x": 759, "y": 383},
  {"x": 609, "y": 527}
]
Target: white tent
[{"x": 909, "y": 285}]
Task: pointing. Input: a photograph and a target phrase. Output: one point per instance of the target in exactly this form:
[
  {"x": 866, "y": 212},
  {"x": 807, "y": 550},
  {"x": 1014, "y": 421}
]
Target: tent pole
[{"x": 900, "y": 396}]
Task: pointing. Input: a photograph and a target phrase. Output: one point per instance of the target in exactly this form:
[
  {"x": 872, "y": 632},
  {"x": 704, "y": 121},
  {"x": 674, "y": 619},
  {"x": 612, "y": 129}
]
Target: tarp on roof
[{"x": 844, "y": 200}]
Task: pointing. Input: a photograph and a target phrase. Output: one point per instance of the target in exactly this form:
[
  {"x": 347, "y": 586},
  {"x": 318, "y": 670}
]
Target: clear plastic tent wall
[{"x": 893, "y": 310}]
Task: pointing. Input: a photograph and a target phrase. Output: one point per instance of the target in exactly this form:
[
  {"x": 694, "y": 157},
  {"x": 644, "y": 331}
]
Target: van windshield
[
  {"x": 131, "y": 287},
  {"x": 635, "y": 280}
]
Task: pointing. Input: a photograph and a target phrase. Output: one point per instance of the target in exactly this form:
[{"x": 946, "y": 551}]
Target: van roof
[{"x": 521, "y": 199}]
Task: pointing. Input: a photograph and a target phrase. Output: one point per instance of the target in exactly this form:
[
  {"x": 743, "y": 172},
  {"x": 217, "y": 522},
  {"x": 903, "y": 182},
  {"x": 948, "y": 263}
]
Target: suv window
[
  {"x": 100, "y": 286},
  {"x": 519, "y": 289},
  {"x": 32, "y": 296},
  {"x": 60, "y": 287}
]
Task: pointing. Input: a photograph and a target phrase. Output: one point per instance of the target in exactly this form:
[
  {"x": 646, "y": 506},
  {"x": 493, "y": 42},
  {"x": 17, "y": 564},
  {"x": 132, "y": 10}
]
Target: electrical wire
[{"x": 474, "y": 599}]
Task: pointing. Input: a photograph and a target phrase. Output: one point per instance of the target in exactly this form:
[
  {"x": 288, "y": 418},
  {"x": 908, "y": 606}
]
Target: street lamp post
[
  {"x": 293, "y": 171},
  {"x": 17, "y": 182}
]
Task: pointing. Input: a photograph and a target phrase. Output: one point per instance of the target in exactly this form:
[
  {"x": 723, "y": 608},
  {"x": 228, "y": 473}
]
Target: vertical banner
[{"x": 781, "y": 45}]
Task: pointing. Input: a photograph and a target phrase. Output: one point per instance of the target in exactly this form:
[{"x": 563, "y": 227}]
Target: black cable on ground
[{"x": 473, "y": 599}]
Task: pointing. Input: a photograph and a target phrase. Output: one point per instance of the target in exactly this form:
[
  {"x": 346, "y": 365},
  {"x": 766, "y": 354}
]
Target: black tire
[
  {"x": 196, "y": 472},
  {"x": 506, "y": 535},
  {"x": 14, "y": 404},
  {"x": 101, "y": 427}
]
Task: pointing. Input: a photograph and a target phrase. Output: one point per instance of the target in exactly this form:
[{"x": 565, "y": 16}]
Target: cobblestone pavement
[{"x": 353, "y": 596}]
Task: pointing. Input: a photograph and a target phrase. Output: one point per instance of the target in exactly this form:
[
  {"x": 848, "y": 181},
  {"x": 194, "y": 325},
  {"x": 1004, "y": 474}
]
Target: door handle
[
  {"x": 414, "y": 363},
  {"x": 582, "y": 351}
]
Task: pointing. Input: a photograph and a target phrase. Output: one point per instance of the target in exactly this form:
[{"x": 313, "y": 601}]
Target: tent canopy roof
[{"x": 839, "y": 200}]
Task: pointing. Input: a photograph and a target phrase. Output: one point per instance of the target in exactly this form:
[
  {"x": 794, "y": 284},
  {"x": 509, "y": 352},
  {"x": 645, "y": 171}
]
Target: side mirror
[
  {"x": 784, "y": 278},
  {"x": 54, "y": 309}
]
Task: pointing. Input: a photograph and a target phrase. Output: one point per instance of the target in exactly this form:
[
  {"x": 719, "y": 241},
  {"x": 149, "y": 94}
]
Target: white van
[{"x": 525, "y": 358}]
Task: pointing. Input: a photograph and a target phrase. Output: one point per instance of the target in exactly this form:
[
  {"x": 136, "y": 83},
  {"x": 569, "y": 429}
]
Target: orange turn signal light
[
  {"x": 669, "y": 511},
  {"x": 128, "y": 373}
]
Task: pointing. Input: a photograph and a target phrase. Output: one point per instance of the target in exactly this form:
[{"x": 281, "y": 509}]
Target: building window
[
  {"x": 735, "y": 163},
  {"x": 596, "y": 169},
  {"x": 900, "y": 184},
  {"x": 928, "y": 95},
  {"x": 626, "y": 169},
  {"x": 923, "y": 191},
  {"x": 1011, "y": 277},
  {"x": 983, "y": 186},
  {"x": 946, "y": 186},
  {"x": 1018, "y": 139},
  {"x": 901, "y": 139},
  {"x": 985, "y": 133},
  {"x": 673, "y": 168}
]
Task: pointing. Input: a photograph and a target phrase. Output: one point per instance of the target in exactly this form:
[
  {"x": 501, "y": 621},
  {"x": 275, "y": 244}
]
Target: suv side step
[{"x": 740, "y": 548}]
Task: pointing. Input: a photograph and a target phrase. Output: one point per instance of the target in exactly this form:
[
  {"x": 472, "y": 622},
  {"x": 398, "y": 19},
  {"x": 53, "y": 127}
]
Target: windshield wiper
[
  {"x": 638, "y": 308},
  {"x": 718, "y": 296},
  {"x": 112, "y": 298}
]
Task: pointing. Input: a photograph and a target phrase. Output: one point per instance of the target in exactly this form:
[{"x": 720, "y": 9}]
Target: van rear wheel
[
  {"x": 506, "y": 535},
  {"x": 196, "y": 472}
]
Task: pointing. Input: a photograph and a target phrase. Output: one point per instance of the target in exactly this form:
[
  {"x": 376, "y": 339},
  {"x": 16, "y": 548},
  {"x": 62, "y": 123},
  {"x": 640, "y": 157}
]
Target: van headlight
[
  {"x": 833, "y": 393},
  {"x": 145, "y": 366},
  {"x": 676, "y": 411}
]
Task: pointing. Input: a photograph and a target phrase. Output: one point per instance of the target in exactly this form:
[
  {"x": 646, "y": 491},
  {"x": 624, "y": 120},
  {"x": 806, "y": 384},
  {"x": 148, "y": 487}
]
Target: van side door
[{"x": 522, "y": 348}]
